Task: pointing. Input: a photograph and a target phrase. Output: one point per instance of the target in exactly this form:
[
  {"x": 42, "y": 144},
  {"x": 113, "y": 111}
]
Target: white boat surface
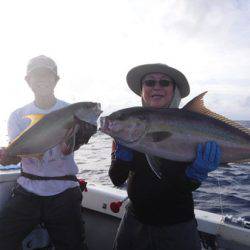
[{"x": 217, "y": 231}]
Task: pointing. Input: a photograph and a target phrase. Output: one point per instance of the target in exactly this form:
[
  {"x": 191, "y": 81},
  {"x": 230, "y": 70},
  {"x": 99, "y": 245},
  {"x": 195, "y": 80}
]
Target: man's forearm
[{"x": 118, "y": 172}]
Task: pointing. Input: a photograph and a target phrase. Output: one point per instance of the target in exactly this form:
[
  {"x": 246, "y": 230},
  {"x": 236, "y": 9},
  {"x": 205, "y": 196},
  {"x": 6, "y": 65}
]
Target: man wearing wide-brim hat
[
  {"x": 136, "y": 74},
  {"x": 160, "y": 213}
]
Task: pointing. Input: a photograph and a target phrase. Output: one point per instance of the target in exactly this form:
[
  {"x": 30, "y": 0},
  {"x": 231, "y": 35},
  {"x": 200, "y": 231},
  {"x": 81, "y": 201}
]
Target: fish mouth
[
  {"x": 108, "y": 126},
  {"x": 98, "y": 109},
  {"x": 120, "y": 132}
]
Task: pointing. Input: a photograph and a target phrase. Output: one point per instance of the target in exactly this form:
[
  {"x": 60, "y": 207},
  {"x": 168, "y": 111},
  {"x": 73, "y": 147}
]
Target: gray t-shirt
[{"x": 53, "y": 163}]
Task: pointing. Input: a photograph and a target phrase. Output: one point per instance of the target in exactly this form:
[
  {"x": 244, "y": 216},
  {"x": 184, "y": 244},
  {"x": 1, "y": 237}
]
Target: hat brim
[{"x": 136, "y": 74}]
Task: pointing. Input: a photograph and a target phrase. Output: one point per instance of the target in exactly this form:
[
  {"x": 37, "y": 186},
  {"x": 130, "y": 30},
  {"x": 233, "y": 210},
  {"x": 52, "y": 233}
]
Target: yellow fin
[{"x": 197, "y": 105}]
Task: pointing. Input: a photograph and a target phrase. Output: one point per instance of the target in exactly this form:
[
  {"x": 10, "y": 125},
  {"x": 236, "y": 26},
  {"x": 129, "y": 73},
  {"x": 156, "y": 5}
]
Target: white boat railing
[{"x": 226, "y": 230}]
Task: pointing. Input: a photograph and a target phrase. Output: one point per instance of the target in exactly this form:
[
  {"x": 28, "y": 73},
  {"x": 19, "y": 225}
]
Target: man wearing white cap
[
  {"x": 160, "y": 213},
  {"x": 47, "y": 190}
]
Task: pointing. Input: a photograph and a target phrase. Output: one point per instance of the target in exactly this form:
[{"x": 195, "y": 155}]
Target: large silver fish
[
  {"x": 175, "y": 133},
  {"x": 60, "y": 126}
]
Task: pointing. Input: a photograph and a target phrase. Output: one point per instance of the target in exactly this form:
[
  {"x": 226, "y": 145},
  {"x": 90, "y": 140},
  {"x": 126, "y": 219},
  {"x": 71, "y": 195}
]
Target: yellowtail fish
[
  {"x": 60, "y": 126},
  {"x": 174, "y": 134}
]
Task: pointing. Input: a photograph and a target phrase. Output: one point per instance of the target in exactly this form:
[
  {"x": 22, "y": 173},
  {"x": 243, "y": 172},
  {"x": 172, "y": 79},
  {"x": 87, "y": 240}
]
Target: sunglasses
[{"x": 152, "y": 83}]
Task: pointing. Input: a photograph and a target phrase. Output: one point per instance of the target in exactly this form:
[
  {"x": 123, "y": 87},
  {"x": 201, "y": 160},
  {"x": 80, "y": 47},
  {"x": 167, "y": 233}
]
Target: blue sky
[{"x": 96, "y": 42}]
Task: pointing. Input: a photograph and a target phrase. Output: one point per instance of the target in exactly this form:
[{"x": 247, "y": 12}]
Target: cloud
[
  {"x": 210, "y": 21},
  {"x": 96, "y": 42}
]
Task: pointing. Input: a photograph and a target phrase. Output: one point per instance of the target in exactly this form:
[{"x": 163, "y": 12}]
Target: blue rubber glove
[
  {"x": 205, "y": 162},
  {"x": 123, "y": 153}
]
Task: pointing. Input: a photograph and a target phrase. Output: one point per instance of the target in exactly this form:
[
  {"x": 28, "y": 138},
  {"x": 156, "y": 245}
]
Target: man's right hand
[
  {"x": 5, "y": 159},
  {"x": 123, "y": 153},
  {"x": 3, "y": 155}
]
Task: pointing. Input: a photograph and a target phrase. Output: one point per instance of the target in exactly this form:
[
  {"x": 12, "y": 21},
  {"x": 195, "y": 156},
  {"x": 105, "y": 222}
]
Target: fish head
[
  {"x": 124, "y": 125},
  {"x": 88, "y": 112}
]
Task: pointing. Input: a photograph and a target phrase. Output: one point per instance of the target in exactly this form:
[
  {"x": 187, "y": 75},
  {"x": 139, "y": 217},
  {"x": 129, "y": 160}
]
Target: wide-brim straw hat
[{"x": 136, "y": 74}]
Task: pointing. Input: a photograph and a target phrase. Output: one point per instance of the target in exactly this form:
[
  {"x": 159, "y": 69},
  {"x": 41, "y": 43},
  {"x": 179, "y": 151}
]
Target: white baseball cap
[{"x": 41, "y": 62}]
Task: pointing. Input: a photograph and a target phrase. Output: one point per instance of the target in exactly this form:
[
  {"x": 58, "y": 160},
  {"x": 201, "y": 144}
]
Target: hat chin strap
[{"x": 175, "y": 100}]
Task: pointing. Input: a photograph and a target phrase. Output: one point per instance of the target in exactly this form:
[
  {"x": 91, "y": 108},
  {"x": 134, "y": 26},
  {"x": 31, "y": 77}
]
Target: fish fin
[
  {"x": 158, "y": 135},
  {"x": 38, "y": 156},
  {"x": 67, "y": 147},
  {"x": 197, "y": 105},
  {"x": 71, "y": 132},
  {"x": 155, "y": 165}
]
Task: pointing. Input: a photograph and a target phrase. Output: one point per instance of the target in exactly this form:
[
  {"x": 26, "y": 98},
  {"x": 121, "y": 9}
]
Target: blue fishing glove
[
  {"x": 205, "y": 162},
  {"x": 123, "y": 153}
]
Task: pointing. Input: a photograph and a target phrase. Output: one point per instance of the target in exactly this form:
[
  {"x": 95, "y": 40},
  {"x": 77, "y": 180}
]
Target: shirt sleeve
[
  {"x": 13, "y": 132},
  {"x": 188, "y": 184},
  {"x": 119, "y": 170},
  {"x": 13, "y": 126}
]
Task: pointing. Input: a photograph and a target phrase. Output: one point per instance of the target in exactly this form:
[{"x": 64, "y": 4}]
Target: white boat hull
[{"x": 102, "y": 222}]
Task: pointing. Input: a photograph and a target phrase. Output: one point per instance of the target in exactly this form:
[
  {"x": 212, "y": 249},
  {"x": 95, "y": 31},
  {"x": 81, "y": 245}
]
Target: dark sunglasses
[{"x": 152, "y": 83}]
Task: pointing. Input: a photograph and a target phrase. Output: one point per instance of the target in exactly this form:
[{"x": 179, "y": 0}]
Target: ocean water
[{"x": 226, "y": 191}]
